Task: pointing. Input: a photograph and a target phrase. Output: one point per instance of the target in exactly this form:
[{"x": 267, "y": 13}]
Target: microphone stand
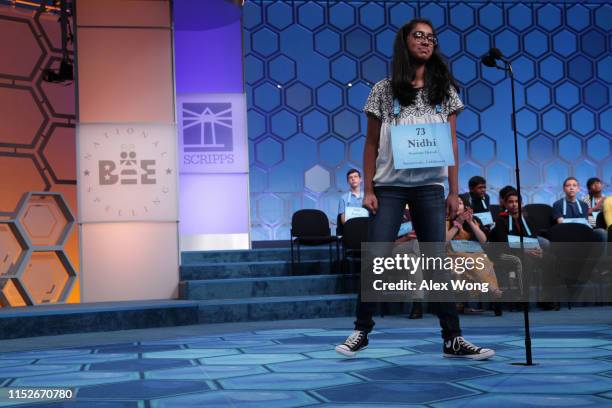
[{"x": 528, "y": 356}]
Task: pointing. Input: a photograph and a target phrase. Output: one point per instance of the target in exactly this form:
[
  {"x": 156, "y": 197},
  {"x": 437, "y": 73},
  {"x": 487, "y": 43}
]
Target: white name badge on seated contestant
[
  {"x": 576, "y": 221},
  {"x": 462, "y": 245},
  {"x": 528, "y": 242},
  {"x": 485, "y": 217},
  {"x": 405, "y": 228},
  {"x": 355, "y": 212},
  {"x": 422, "y": 145}
]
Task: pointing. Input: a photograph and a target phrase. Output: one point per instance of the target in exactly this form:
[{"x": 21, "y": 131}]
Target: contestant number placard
[
  {"x": 458, "y": 245},
  {"x": 485, "y": 217},
  {"x": 422, "y": 145},
  {"x": 514, "y": 241},
  {"x": 576, "y": 221},
  {"x": 355, "y": 212}
]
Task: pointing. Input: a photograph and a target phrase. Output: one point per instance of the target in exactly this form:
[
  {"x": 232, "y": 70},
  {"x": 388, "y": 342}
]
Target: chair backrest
[
  {"x": 310, "y": 223},
  {"x": 571, "y": 232},
  {"x": 495, "y": 210},
  {"x": 580, "y": 241},
  {"x": 576, "y": 250},
  {"x": 355, "y": 232},
  {"x": 541, "y": 214},
  {"x": 339, "y": 225}
]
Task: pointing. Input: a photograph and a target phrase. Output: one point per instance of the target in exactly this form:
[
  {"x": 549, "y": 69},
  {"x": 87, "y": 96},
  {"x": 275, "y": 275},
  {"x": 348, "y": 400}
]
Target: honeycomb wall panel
[
  {"x": 37, "y": 138},
  {"x": 310, "y": 65}
]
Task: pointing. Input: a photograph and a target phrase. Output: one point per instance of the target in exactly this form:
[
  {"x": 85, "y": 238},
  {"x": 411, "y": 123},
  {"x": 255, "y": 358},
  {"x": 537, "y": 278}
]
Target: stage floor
[{"x": 292, "y": 364}]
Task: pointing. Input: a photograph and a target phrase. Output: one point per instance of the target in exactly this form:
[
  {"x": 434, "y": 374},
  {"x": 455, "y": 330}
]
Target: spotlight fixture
[{"x": 65, "y": 73}]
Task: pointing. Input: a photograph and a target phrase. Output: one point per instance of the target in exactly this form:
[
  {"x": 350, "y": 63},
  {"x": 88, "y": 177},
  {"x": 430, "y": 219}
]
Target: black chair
[
  {"x": 355, "y": 233},
  {"x": 577, "y": 252},
  {"x": 495, "y": 210},
  {"x": 339, "y": 226},
  {"x": 571, "y": 232},
  {"x": 541, "y": 214},
  {"x": 311, "y": 228},
  {"x": 600, "y": 221}
]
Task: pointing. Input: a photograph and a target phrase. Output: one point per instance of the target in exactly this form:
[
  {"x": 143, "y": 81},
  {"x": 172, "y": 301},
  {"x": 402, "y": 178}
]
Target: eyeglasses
[{"x": 421, "y": 37}]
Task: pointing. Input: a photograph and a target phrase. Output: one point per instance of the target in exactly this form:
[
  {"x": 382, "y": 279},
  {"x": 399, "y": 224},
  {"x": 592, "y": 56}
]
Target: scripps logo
[
  {"x": 128, "y": 170},
  {"x": 207, "y": 133}
]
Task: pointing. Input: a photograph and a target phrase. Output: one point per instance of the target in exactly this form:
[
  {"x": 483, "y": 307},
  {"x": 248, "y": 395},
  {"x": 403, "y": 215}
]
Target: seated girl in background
[{"x": 465, "y": 227}]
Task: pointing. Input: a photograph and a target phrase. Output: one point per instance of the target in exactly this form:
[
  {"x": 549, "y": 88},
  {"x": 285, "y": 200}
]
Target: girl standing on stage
[{"x": 421, "y": 91}]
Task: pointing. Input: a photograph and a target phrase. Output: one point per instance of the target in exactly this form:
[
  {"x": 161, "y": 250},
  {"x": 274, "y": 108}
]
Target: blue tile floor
[{"x": 292, "y": 364}]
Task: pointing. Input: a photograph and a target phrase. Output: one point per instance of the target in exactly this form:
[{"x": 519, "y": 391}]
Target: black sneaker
[
  {"x": 459, "y": 347},
  {"x": 355, "y": 342}
]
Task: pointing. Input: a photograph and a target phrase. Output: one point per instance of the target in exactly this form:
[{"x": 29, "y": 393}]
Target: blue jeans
[{"x": 428, "y": 212}]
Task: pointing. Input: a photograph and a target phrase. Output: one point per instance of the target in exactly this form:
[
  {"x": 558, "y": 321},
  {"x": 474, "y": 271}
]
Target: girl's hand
[
  {"x": 370, "y": 202},
  {"x": 469, "y": 215}
]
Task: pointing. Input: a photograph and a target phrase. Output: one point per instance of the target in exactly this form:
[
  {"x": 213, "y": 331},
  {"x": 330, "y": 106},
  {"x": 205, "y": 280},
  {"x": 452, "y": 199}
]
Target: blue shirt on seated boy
[{"x": 353, "y": 198}]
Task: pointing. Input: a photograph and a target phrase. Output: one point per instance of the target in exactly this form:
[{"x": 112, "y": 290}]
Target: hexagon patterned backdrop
[
  {"x": 38, "y": 246},
  {"x": 35, "y": 269},
  {"x": 309, "y": 66}
]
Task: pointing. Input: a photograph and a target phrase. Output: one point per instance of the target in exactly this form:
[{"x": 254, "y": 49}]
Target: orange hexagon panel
[
  {"x": 13, "y": 249},
  {"x": 47, "y": 277},
  {"x": 45, "y": 218},
  {"x": 37, "y": 154}
]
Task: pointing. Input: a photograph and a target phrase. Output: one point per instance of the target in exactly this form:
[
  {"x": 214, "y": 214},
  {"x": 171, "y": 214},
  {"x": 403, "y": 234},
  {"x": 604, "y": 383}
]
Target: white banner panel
[
  {"x": 130, "y": 261},
  {"x": 212, "y": 133},
  {"x": 127, "y": 172}
]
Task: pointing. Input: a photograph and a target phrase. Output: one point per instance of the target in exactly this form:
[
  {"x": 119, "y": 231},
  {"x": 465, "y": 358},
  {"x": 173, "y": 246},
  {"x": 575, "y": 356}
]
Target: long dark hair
[
  {"x": 466, "y": 226},
  {"x": 438, "y": 78}
]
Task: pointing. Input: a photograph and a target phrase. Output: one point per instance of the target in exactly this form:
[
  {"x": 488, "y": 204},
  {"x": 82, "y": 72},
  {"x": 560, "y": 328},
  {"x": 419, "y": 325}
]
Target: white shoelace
[
  {"x": 354, "y": 339},
  {"x": 461, "y": 342}
]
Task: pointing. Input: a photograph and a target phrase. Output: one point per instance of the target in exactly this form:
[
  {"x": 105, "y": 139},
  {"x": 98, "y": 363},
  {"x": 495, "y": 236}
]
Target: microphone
[
  {"x": 489, "y": 59},
  {"x": 496, "y": 53}
]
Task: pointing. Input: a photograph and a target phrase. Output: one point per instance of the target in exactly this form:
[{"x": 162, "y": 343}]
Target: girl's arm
[{"x": 370, "y": 152}]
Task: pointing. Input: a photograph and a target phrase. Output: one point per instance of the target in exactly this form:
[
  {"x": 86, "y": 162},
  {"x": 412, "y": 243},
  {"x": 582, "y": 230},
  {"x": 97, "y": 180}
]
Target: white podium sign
[{"x": 127, "y": 172}]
